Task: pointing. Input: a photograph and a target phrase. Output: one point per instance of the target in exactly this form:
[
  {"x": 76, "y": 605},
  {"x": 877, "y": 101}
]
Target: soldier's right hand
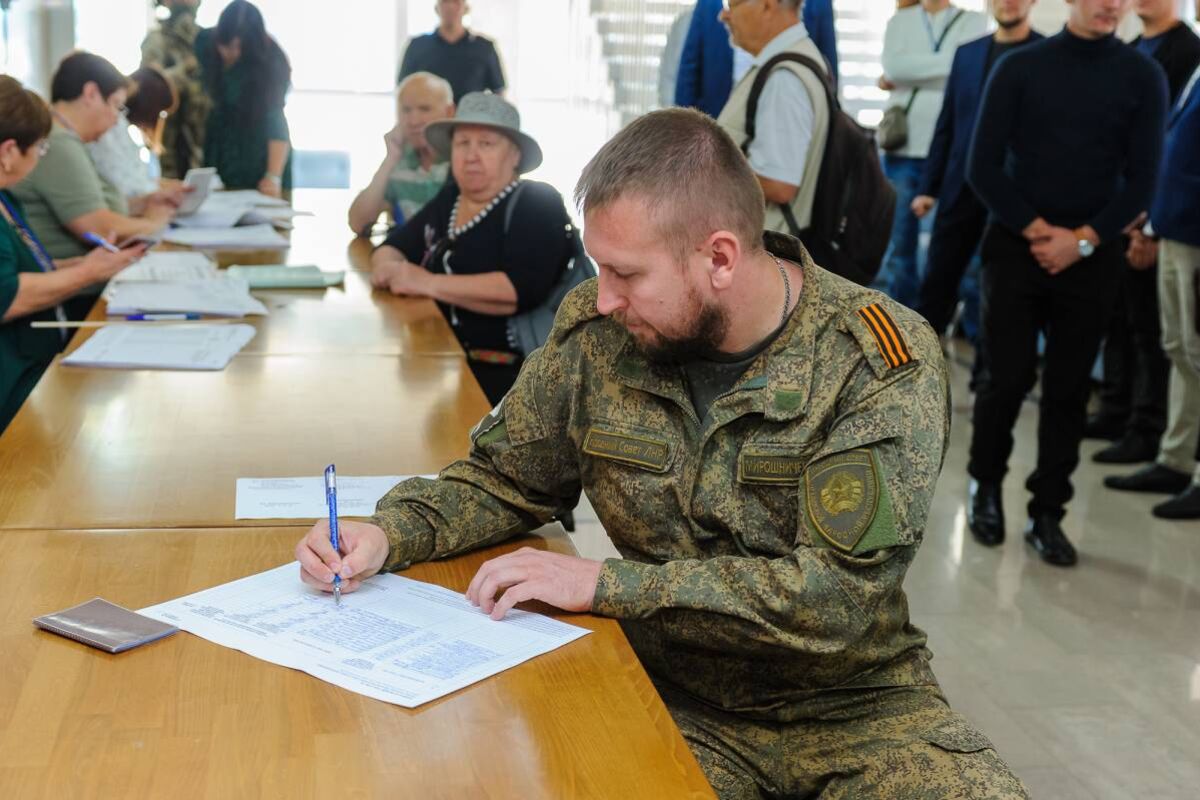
[{"x": 363, "y": 549}]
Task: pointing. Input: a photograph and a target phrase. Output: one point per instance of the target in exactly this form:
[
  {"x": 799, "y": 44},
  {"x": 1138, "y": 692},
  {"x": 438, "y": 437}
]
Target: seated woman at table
[
  {"x": 411, "y": 173},
  {"x": 247, "y": 76},
  {"x": 481, "y": 260},
  {"x": 65, "y": 196},
  {"x": 31, "y": 283},
  {"x": 116, "y": 154}
]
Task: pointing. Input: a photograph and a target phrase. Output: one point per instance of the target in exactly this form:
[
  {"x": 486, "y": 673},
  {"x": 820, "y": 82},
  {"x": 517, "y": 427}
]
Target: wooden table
[
  {"x": 145, "y": 449},
  {"x": 184, "y": 718}
]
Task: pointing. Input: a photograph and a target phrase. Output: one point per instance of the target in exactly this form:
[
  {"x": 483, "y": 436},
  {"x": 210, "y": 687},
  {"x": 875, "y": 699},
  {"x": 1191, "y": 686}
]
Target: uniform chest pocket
[{"x": 767, "y": 480}]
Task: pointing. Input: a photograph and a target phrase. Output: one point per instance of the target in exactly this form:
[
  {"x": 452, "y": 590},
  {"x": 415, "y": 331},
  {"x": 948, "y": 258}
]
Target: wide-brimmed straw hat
[{"x": 490, "y": 111}]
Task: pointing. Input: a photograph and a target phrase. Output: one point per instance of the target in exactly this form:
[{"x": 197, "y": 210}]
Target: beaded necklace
[{"x": 453, "y": 232}]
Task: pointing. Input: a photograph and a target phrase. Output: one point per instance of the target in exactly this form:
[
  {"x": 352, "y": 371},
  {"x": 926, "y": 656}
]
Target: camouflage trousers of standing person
[{"x": 901, "y": 743}]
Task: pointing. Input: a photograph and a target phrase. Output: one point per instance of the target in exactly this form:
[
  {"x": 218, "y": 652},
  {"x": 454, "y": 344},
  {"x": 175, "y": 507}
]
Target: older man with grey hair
[
  {"x": 792, "y": 119},
  {"x": 411, "y": 173}
]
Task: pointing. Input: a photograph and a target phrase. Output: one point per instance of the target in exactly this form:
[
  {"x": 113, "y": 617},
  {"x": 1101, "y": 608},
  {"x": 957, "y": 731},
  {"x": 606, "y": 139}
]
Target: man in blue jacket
[
  {"x": 1173, "y": 218},
  {"x": 961, "y": 218},
  {"x": 706, "y": 66}
]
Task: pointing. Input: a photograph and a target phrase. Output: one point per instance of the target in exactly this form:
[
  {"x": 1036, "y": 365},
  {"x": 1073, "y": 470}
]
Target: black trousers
[
  {"x": 957, "y": 231},
  {"x": 1072, "y": 309},
  {"x": 495, "y": 379},
  {"x": 1135, "y": 367}
]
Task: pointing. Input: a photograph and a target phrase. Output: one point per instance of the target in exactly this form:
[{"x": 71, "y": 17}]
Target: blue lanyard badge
[{"x": 27, "y": 236}]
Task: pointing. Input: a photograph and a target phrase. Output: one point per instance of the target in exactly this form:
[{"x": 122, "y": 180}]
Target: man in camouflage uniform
[
  {"x": 761, "y": 440},
  {"x": 171, "y": 48}
]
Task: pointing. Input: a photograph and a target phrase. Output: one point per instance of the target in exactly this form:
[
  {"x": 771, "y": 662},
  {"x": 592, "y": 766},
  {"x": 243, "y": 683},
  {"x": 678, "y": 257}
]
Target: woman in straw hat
[{"x": 489, "y": 245}]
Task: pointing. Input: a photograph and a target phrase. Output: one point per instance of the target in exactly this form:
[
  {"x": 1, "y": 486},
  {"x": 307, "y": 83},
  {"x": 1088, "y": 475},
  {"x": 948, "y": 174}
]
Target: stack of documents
[
  {"x": 280, "y": 276},
  {"x": 219, "y": 296},
  {"x": 168, "y": 265},
  {"x": 139, "y": 346},
  {"x": 251, "y": 237},
  {"x": 395, "y": 639}
]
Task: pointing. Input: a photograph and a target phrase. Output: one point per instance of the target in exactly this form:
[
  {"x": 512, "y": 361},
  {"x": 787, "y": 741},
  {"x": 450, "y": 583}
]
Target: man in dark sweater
[
  {"x": 1065, "y": 157},
  {"x": 1133, "y": 397}
]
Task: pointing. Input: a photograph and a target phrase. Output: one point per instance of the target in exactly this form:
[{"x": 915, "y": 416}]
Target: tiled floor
[{"x": 1087, "y": 679}]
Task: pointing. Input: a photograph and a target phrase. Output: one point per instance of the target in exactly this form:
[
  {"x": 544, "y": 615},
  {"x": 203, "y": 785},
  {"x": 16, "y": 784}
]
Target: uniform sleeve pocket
[{"x": 956, "y": 735}]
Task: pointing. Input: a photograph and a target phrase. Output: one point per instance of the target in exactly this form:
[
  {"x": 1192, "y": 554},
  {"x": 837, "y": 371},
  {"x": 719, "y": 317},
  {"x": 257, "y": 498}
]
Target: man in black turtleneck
[{"x": 1065, "y": 157}]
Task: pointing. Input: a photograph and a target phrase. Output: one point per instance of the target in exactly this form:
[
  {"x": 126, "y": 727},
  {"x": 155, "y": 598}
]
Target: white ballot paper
[
  {"x": 395, "y": 639},
  {"x": 168, "y": 265},
  {"x": 304, "y": 498},
  {"x": 141, "y": 346},
  {"x": 249, "y": 237},
  {"x": 221, "y": 296}
]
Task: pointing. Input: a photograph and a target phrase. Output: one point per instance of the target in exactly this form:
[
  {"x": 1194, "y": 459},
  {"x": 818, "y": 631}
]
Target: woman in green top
[
  {"x": 247, "y": 76},
  {"x": 31, "y": 283}
]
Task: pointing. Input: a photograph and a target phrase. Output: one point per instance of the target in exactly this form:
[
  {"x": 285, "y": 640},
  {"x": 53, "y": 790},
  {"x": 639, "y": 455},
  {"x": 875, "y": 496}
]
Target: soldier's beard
[{"x": 703, "y": 337}]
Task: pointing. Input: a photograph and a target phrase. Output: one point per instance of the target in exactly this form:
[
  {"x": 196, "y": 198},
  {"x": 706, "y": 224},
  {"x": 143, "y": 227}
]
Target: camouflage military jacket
[
  {"x": 171, "y": 48},
  {"x": 763, "y": 550}
]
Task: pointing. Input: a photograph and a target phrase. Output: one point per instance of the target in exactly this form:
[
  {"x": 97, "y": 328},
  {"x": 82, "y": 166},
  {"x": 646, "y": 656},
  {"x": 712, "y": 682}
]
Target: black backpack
[{"x": 854, "y": 204}]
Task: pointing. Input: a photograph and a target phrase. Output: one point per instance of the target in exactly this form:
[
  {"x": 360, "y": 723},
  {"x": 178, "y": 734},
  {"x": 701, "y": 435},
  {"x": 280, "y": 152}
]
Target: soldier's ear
[{"x": 724, "y": 252}]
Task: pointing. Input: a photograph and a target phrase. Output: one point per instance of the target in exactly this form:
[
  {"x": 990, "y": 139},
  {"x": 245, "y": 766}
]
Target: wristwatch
[{"x": 1086, "y": 248}]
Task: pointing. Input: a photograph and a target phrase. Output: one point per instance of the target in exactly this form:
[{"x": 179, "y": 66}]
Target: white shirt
[
  {"x": 118, "y": 159},
  {"x": 785, "y": 117},
  {"x": 910, "y": 62}
]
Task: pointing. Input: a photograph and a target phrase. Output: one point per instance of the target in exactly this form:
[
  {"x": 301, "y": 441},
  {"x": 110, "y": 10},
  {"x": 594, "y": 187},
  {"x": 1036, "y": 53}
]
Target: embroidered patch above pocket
[{"x": 639, "y": 451}]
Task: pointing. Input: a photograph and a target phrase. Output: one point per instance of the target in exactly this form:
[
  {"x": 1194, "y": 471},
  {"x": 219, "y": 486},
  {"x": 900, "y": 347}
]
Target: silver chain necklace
[
  {"x": 787, "y": 290},
  {"x": 453, "y": 232}
]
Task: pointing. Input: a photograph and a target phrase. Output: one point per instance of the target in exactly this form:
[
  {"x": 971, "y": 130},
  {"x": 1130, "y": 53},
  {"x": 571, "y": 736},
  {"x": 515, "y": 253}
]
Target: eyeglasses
[
  {"x": 43, "y": 147},
  {"x": 732, "y": 4}
]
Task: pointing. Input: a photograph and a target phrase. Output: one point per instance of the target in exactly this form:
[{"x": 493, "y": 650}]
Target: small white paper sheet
[
  {"x": 149, "y": 346},
  {"x": 221, "y": 296},
  {"x": 168, "y": 265},
  {"x": 249, "y": 237},
  {"x": 395, "y": 639},
  {"x": 304, "y": 498}
]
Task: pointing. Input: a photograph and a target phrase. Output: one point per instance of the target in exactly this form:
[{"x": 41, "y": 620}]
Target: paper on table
[
  {"x": 246, "y": 197},
  {"x": 280, "y": 276},
  {"x": 395, "y": 639},
  {"x": 222, "y": 295},
  {"x": 304, "y": 497},
  {"x": 250, "y": 237},
  {"x": 134, "y": 346},
  {"x": 168, "y": 265}
]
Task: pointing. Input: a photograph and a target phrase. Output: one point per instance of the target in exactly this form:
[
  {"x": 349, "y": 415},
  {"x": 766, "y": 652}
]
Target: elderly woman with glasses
[
  {"x": 32, "y": 284},
  {"x": 489, "y": 245}
]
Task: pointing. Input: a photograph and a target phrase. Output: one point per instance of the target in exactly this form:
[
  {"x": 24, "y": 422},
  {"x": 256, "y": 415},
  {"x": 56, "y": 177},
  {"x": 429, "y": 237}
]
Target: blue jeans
[{"x": 901, "y": 273}]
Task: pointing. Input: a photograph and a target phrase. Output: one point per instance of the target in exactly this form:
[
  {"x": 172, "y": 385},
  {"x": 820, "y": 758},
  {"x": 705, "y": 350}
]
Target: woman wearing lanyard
[{"x": 31, "y": 283}]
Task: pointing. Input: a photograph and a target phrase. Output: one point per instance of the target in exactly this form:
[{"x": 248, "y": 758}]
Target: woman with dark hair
[
  {"x": 32, "y": 284},
  {"x": 247, "y": 77},
  {"x": 118, "y": 158}
]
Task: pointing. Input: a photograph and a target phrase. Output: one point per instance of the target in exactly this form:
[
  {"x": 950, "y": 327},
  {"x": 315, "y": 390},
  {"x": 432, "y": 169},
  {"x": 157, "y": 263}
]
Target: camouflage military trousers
[{"x": 897, "y": 744}]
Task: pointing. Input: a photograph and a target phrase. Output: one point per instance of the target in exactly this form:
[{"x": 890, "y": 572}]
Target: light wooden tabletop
[
  {"x": 185, "y": 718},
  {"x": 96, "y": 448}
]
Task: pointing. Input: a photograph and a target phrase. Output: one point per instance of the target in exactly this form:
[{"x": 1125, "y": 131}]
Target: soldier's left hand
[{"x": 566, "y": 582}]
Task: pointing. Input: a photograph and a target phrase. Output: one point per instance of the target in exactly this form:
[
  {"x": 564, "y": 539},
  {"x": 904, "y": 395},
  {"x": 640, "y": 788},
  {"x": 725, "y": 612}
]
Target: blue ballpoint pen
[
  {"x": 100, "y": 241},
  {"x": 331, "y": 501},
  {"x": 160, "y": 317}
]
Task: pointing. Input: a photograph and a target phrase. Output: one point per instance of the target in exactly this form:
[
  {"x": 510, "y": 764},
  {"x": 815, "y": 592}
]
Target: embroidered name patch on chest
[
  {"x": 769, "y": 468},
  {"x": 640, "y": 451}
]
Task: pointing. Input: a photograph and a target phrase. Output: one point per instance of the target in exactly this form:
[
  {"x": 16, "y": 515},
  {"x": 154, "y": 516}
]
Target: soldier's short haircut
[
  {"x": 78, "y": 70},
  {"x": 689, "y": 172},
  {"x": 435, "y": 82}
]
